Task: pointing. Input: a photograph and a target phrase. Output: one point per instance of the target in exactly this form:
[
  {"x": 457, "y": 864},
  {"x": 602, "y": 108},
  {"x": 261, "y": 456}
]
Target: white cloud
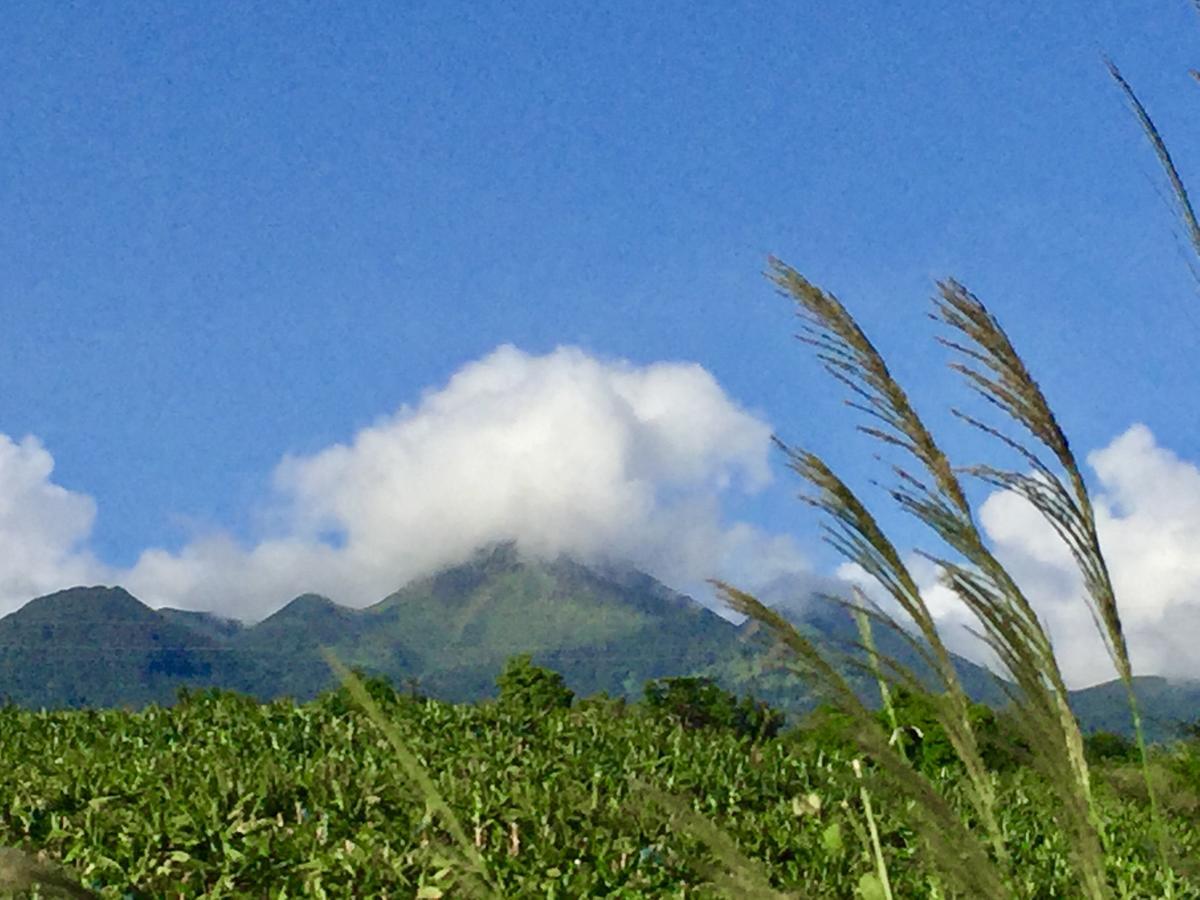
[
  {"x": 1148, "y": 518},
  {"x": 1147, "y": 505},
  {"x": 43, "y": 527},
  {"x": 564, "y": 452}
]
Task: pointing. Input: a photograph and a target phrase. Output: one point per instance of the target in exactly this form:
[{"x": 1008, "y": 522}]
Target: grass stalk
[
  {"x": 1010, "y": 626},
  {"x": 474, "y": 870},
  {"x": 743, "y": 877},
  {"x": 953, "y": 849},
  {"x": 876, "y": 849},
  {"x": 1188, "y": 214},
  {"x": 863, "y": 621},
  {"x": 1178, "y": 188}
]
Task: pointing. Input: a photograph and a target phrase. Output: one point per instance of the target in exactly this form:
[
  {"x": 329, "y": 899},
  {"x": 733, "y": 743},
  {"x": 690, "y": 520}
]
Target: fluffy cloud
[
  {"x": 1147, "y": 504},
  {"x": 565, "y": 453},
  {"x": 1148, "y": 519},
  {"x": 43, "y": 527}
]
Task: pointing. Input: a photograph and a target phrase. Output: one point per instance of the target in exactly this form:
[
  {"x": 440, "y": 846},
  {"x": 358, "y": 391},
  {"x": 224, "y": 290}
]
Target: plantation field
[{"x": 219, "y": 796}]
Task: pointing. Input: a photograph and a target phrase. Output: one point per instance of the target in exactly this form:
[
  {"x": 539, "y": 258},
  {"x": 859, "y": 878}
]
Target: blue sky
[{"x": 236, "y": 234}]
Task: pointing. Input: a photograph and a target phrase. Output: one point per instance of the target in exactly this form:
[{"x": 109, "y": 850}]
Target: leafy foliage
[
  {"x": 1001, "y": 746},
  {"x": 221, "y": 796}
]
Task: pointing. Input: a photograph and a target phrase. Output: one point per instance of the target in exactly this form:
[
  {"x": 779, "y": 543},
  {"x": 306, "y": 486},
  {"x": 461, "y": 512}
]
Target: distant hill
[
  {"x": 604, "y": 627},
  {"x": 1163, "y": 704},
  {"x": 99, "y": 647}
]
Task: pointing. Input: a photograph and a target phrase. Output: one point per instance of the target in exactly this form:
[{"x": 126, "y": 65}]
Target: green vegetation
[
  {"x": 222, "y": 796},
  {"x": 530, "y": 690}
]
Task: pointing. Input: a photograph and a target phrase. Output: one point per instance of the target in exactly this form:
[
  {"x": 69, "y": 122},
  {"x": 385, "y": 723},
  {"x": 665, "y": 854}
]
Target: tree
[
  {"x": 929, "y": 746},
  {"x": 529, "y": 689},
  {"x": 378, "y": 687},
  {"x": 698, "y": 702}
]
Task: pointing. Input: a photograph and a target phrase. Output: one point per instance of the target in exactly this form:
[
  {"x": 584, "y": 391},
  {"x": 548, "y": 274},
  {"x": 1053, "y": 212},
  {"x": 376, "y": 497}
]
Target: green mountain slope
[
  {"x": 99, "y": 646},
  {"x": 283, "y": 650},
  {"x": 603, "y": 627},
  {"x": 206, "y": 623},
  {"x": 832, "y": 626},
  {"x": 604, "y": 630},
  {"x": 1163, "y": 705}
]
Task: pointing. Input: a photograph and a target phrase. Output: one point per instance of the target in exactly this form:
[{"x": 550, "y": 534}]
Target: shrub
[{"x": 826, "y": 728}]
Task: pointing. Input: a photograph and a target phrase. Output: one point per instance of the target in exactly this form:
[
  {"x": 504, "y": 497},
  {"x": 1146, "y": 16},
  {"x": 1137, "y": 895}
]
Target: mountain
[
  {"x": 833, "y": 628},
  {"x": 99, "y": 646},
  {"x": 284, "y": 649},
  {"x": 1163, "y": 705},
  {"x": 604, "y": 627}
]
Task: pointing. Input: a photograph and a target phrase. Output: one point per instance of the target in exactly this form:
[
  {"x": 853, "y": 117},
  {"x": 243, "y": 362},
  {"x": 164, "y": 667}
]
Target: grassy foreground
[{"x": 220, "y": 796}]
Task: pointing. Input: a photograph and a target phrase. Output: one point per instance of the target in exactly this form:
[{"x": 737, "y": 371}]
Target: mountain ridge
[{"x": 605, "y": 627}]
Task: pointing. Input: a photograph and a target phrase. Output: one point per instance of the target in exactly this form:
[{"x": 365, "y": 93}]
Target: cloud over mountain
[
  {"x": 564, "y": 452},
  {"x": 569, "y": 453}
]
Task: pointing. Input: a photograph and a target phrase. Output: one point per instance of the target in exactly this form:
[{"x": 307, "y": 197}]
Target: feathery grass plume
[
  {"x": 20, "y": 871},
  {"x": 1178, "y": 188},
  {"x": 857, "y": 536},
  {"x": 954, "y": 849},
  {"x": 475, "y": 877},
  {"x": 1068, "y": 508},
  {"x": 1011, "y": 627}
]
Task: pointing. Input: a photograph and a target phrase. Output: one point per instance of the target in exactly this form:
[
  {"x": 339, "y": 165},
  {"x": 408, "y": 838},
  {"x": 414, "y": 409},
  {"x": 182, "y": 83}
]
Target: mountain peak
[
  {"x": 310, "y": 601},
  {"x": 305, "y": 607},
  {"x": 88, "y": 602}
]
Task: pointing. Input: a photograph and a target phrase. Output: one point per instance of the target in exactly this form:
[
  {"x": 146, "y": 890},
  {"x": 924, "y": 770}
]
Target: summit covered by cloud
[
  {"x": 564, "y": 452},
  {"x": 568, "y": 453}
]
